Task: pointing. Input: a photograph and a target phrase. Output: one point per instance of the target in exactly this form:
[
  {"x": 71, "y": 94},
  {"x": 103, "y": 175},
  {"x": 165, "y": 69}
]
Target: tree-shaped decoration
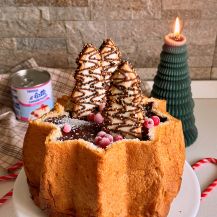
[
  {"x": 172, "y": 82},
  {"x": 88, "y": 92},
  {"x": 111, "y": 58},
  {"x": 123, "y": 112}
]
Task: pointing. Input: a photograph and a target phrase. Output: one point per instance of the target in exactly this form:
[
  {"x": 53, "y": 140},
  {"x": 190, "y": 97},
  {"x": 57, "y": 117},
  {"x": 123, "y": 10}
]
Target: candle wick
[{"x": 177, "y": 37}]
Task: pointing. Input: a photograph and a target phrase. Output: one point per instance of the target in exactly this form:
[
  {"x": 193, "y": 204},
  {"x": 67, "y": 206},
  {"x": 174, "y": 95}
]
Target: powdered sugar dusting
[
  {"x": 74, "y": 123},
  {"x": 61, "y": 120}
]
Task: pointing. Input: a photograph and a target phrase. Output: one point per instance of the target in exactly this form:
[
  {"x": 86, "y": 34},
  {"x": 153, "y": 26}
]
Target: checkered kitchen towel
[{"x": 13, "y": 131}]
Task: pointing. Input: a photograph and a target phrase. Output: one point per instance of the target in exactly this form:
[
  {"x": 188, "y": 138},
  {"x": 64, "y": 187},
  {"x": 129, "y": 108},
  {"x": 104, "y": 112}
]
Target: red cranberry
[
  {"x": 91, "y": 117},
  {"x": 104, "y": 142},
  {"x": 98, "y": 118},
  {"x": 103, "y": 139},
  {"x": 101, "y": 133},
  {"x": 118, "y": 138},
  {"x": 97, "y": 140},
  {"x": 110, "y": 137},
  {"x": 149, "y": 123},
  {"x": 156, "y": 120}
]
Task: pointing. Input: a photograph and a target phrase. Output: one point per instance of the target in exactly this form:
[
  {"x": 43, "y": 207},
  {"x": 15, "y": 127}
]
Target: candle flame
[
  {"x": 177, "y": 28},
  {"x": 175, "y": 33}
]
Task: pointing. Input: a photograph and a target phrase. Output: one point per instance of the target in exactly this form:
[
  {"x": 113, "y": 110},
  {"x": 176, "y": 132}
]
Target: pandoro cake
[{"x": 106, "y": 150}]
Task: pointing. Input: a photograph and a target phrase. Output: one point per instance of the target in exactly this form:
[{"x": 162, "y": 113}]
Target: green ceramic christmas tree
[{"x": 172, "y": 82}]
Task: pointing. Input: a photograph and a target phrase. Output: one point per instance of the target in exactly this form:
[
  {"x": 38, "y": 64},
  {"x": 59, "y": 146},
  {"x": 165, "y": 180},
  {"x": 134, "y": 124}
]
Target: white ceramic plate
[{"x": 186, "y": 204}]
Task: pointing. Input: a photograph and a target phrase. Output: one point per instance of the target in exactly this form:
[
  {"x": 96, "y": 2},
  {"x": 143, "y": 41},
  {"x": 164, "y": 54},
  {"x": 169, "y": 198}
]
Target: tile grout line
[{"x": 214, "y": 53}]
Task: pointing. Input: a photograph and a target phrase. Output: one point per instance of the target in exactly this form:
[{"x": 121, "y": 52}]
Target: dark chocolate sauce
[
  {"x": 80, "y": 129},
  {"x": 145, "y": 135},
  {"x": 85, "y": 132},
  {"x": 83, "y": 129},
  {"x": 149, "y": 113}
]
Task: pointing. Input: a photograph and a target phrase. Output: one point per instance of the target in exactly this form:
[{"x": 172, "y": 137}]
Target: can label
[{"x": 32, "y": 102}]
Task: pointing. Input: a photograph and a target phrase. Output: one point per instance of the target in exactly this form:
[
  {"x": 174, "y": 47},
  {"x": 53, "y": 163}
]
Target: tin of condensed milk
[{"x": 32, "y": 93}]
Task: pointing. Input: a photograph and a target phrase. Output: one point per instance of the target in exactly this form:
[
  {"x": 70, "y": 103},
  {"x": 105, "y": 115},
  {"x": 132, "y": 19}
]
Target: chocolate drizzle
[
  {"x": 124, "y": 113},
  {"x": 89, "y": 91},
  {"x": 111, "y": 58}
]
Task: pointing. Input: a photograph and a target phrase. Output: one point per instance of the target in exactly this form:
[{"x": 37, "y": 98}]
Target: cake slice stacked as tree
[
  {"x": 88, "y": 92},
  {"x": 111, "y": 58},
  {"x": 124, "y": 112}
]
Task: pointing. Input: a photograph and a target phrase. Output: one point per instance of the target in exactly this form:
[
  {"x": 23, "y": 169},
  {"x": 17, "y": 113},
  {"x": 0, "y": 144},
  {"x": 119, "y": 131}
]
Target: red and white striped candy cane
[
  {"x": 8, "y": 177},
  {"x": 209, "y": 189},
  {"x": 6, "y": 197},
  {"x": 16, "y": 166},
  {"x": 214, "y": 183},
  {"x": 203, "y": 161}
]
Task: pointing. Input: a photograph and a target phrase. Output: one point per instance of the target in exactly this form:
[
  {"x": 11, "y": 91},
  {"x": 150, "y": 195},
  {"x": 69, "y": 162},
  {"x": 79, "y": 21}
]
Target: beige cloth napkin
[{"x": 12, "y": 131}]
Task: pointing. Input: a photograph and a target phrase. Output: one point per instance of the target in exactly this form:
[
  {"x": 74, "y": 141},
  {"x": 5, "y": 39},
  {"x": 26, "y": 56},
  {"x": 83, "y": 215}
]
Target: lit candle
[
  {"x": 172, "y": 82},
  {"x": 175, "y": 38}
]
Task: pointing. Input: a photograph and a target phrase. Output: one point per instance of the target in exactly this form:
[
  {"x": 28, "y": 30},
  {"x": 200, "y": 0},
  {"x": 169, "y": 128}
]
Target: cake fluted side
[
  {"x": 33, "y": 155},
  {"x": 131, "y": 178}
]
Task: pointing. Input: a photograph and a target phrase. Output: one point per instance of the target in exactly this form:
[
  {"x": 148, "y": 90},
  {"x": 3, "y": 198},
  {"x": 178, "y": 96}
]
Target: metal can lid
[{"x": 29, "y": 78}]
